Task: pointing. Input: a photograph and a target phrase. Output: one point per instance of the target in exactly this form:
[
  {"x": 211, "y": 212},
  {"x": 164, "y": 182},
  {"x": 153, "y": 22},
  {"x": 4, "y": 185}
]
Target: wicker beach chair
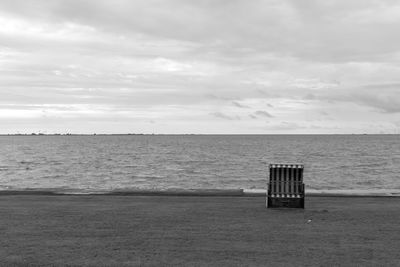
[{"x": 285, "y": 187}]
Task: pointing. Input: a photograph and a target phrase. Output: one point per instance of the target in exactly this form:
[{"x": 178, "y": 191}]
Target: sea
[{"x": 350, "y": 164}]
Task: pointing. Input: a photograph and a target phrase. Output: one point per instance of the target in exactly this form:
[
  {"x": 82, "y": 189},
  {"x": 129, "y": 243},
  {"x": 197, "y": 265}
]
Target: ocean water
[{"x": 334, "y": 163}]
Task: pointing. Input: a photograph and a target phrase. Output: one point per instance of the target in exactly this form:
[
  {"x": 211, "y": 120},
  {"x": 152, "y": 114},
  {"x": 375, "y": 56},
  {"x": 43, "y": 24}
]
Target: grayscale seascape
[
  {"x": 199, "y": 133},
  {"x": 84, "y": 164}
]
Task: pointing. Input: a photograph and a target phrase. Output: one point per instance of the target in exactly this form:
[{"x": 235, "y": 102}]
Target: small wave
[{"x": 26, "y": 162}]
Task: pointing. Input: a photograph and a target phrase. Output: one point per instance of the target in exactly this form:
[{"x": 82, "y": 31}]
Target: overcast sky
[{"x": 200, "y": 66}]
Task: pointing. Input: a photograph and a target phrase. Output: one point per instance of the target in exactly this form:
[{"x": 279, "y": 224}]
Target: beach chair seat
[{"x": 285, "y": 187}]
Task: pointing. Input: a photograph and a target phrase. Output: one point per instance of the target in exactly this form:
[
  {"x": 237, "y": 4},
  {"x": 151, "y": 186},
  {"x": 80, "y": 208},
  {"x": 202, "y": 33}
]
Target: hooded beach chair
[{"x": 285, "y": 187}]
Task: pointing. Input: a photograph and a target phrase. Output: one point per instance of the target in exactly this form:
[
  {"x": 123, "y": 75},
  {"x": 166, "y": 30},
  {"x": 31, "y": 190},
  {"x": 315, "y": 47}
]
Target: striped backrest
[{"x": 286, "y": 180}]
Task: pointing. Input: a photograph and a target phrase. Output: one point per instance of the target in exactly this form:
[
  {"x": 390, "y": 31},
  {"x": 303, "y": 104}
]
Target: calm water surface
[{"x": 97, "y": 163}]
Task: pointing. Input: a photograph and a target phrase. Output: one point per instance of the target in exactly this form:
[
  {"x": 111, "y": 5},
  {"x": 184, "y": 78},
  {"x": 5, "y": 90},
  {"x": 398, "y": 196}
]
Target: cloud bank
[{"x": 206, "y": 66}]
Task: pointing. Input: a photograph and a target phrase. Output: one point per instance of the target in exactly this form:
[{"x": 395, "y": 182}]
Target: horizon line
[{"x": 152, "y": 134}]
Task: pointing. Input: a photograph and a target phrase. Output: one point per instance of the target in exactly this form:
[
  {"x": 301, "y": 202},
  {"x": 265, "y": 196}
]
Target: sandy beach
[{"x": 41, "y": 230}]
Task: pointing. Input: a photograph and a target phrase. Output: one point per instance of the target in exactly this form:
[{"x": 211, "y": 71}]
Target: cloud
[
  {"x": 263, "y": 113},
  {"x": 309, "y": 96},
  {"x": 381, "y": 103},
  {"x": 284, "y": 27},
  {"x": 252, "y": 116},
  {"x": 237, "y": 104},
  {"x": 196, "y": 58},
  {"x": 224, "y": 116},
  {"x": 288, "y": 126}
]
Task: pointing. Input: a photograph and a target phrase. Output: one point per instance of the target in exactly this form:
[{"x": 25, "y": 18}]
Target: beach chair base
[{"x": 284, "y": 202}]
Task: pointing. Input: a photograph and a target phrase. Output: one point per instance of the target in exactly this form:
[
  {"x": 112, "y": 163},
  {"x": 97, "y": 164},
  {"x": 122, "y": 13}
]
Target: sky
[{"x": 200, "y": 66}]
